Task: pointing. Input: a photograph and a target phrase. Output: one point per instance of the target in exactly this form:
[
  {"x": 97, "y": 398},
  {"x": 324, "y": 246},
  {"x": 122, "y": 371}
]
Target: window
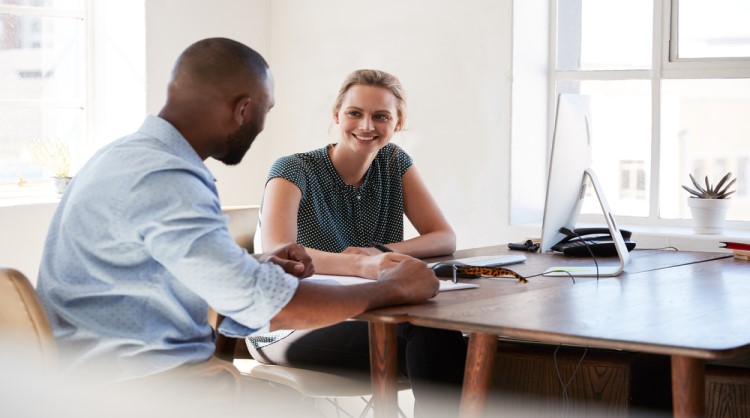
[
  {"x": 52, "y": 71},
  {"x": 42, "y": 83},
  {"x": 669, "y": 83}
]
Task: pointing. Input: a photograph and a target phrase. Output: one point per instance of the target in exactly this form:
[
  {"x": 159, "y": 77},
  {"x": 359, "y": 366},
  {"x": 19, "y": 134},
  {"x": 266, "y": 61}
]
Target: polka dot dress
[{"x": 334, "y": 215}]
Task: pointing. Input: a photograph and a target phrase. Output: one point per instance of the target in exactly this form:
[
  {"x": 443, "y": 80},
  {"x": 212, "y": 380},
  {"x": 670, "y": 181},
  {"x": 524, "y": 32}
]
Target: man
[{"x": 138, "y": 247}]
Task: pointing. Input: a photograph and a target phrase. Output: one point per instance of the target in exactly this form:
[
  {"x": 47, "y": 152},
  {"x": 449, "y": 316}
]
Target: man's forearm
[{"x": 316, "y": 305}]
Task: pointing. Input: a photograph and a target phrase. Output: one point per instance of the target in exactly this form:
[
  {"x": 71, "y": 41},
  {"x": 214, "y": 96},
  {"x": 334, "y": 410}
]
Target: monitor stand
[{"x": 614, "y": 230}]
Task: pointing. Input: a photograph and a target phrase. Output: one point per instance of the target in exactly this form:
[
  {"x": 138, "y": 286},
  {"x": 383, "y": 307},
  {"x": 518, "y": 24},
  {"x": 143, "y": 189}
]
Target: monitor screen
[{"x": 570, "y": 157}]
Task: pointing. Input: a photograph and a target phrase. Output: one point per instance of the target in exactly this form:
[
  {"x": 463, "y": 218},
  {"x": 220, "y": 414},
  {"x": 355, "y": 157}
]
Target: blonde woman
[{"x": 338, "y": 202}]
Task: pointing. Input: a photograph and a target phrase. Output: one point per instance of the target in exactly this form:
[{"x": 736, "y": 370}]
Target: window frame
[{"x": 665, "y": 66}]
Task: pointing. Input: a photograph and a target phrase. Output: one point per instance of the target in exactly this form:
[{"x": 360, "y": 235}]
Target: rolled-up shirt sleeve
[
  {"x": 274, "y": 282},
  {"x": 186, "y": 233}
]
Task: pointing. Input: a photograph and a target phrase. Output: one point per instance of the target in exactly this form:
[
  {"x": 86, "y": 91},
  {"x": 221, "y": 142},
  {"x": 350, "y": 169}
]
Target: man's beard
[{"x": 238, "y": 143}]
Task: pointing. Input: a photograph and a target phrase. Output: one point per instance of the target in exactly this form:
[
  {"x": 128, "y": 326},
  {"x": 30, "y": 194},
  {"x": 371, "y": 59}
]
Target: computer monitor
[{"x": 569, "y": 168}]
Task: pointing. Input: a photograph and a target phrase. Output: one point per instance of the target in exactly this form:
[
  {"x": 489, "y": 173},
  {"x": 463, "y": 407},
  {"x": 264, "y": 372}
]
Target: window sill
[
  {"x": 13, "y": 202},
  {"x": 41, "y": 193},
  {"x": 684, "y": 239},
  {"x": 649, "y": 237}
]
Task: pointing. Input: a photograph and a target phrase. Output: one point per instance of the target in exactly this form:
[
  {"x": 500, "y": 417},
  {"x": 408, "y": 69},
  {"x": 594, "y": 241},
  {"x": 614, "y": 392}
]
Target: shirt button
[{"x": 359, "y": 197}]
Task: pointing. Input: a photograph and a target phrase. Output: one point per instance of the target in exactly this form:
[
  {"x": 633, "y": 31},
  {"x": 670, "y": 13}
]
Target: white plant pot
[
  {"x": 61, "y": 183},
  {"x": 708, "y": 214}
]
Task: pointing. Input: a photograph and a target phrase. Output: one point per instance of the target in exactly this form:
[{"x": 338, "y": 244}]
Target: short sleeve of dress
[
  {"x": 403, "y": 159},
  {"x": 291, "y": 168}
]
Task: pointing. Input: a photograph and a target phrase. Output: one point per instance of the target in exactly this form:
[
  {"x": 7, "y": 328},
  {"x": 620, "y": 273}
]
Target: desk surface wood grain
[{"x": 696, "y": 309}]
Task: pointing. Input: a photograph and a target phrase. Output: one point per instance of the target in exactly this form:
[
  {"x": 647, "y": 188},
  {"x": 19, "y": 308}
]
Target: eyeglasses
[{"x": 486, "y": 272}]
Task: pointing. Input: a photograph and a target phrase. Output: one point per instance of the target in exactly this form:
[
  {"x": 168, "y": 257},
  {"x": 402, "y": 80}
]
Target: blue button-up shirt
[{"x": 136, "y": 252}]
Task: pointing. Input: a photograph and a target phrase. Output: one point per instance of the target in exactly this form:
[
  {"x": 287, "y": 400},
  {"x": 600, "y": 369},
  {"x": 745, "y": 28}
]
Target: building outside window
[{"x": 632, "y": 180}]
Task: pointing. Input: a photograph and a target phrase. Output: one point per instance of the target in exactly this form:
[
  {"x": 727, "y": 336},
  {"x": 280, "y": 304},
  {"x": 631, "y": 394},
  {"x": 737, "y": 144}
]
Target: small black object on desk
[
  {"x": 529, "y": 246},
  {"x": 381, "y": 247}
]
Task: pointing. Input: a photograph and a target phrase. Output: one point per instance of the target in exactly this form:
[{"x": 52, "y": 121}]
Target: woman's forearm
[{"x": 431, "y": 244}]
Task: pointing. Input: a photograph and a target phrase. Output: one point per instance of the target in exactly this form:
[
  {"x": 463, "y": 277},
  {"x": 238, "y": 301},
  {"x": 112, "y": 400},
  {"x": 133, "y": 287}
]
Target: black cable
[
  {"x": 570, "y": 232},
  {"x": 570, "y": 380}
]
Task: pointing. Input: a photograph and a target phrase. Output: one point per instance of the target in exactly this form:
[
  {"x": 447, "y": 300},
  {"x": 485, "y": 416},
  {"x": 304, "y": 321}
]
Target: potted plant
[
  {"x": 709, "y": 204},
  {"x": 53, "y": 155}
]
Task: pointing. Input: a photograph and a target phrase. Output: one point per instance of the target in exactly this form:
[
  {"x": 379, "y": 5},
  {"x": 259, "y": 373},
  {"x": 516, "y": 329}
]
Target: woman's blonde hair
[{"x": 375, "y": 78}]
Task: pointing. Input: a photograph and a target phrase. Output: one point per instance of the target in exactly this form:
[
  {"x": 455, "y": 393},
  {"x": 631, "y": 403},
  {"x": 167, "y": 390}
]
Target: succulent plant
[{"x": 721, "y": 191}]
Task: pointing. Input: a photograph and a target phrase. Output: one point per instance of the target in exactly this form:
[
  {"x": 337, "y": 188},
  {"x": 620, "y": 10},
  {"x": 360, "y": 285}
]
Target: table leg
[
  {"x": 688, "y": 387},
  {"x": 384, "y": 369},
  {"x": 480, "y": 360}
]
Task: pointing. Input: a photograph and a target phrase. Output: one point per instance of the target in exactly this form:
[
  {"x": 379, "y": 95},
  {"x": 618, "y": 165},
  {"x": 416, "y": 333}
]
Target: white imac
[{"x": 569, "y": 167}]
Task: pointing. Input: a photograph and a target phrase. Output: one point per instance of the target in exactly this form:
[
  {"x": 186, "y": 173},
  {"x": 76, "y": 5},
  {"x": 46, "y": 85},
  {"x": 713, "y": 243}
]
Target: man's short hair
[{"x": 218, "y": 60}]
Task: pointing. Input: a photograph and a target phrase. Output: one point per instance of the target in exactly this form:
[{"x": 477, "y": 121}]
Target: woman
[{"x": 340, "y": 200}]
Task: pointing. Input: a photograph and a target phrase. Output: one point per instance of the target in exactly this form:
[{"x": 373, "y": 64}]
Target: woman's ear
[{"x": 336, "y": 117}]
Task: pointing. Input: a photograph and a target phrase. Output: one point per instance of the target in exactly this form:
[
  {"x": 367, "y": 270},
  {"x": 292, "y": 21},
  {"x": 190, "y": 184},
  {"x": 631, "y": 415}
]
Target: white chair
[
  {"x": 241, "y": 224},
  {"x": 319, "y": 386},
  {"x": 310, "y": 384}
]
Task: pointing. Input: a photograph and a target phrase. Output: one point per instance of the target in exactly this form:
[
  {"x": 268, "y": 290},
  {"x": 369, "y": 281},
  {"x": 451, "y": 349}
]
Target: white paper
[{"x": 445, "y": 285}]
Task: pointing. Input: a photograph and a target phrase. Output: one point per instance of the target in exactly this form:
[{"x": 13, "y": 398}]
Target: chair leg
[
  {"x": 335, "y": 403},
  {"x": 401, "y": 412},
  {"x": 367, "y": 407},
  {"x": 339, "y": 409}
]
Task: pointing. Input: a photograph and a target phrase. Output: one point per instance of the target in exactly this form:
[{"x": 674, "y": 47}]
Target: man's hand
[
  {"x": 414, "y": 281},
  {"x": 371, "y": 266},
  {"x": 317, "y": 305},
  {"x": 292, "y": 258}
]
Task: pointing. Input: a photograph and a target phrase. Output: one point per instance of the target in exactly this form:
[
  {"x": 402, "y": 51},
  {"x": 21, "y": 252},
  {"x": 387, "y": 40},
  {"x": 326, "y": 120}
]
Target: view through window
[
  {"x": 659, "y": 115},
  {"x": 42, "y": 88}
]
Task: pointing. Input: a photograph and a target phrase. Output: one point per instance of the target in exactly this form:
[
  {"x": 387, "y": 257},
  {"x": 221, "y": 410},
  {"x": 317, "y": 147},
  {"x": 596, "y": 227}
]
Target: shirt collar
[{"x": 167, "y": 134}]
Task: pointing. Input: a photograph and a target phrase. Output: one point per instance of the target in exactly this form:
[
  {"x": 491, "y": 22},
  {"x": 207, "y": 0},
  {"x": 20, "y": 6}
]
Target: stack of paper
[{"x": 739, "y": 249}]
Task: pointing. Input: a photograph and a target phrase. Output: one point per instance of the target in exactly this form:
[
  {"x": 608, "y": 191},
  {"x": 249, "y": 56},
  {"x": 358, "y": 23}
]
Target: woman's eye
[
  {"x": 383, "y": 118},
  {"x": 353, "y": 113}
]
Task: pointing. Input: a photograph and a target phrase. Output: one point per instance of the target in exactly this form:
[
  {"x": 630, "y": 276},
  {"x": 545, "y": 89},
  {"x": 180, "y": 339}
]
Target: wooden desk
[{"x": 690, "y": 306}]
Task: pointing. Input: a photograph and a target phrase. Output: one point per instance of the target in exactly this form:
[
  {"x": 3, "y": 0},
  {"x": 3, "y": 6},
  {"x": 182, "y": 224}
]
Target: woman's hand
[
  {"x": 362, "y": 251},
  {"x": 292, "y": 258}
]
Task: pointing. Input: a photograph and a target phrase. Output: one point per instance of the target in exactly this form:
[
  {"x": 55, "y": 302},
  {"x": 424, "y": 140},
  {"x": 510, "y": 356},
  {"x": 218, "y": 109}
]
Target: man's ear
[{"x": 241, "y": 110}]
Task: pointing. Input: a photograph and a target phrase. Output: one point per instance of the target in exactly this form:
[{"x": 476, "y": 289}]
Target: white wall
[
  {"x": 24, "y": 228},
  {"x": 453, "y": 58},
  {"x": 171, "y": 26},
  {"x": 530, "y": 116}
]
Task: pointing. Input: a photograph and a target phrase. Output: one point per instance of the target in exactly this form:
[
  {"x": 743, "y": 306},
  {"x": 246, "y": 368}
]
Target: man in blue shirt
[{"x": 138, "y": 247}]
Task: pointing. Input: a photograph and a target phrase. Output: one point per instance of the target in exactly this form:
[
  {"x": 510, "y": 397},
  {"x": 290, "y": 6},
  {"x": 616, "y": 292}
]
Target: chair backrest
[
  {"x": 242, "y": 223},
  {"x": 23, "y": 321}
]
